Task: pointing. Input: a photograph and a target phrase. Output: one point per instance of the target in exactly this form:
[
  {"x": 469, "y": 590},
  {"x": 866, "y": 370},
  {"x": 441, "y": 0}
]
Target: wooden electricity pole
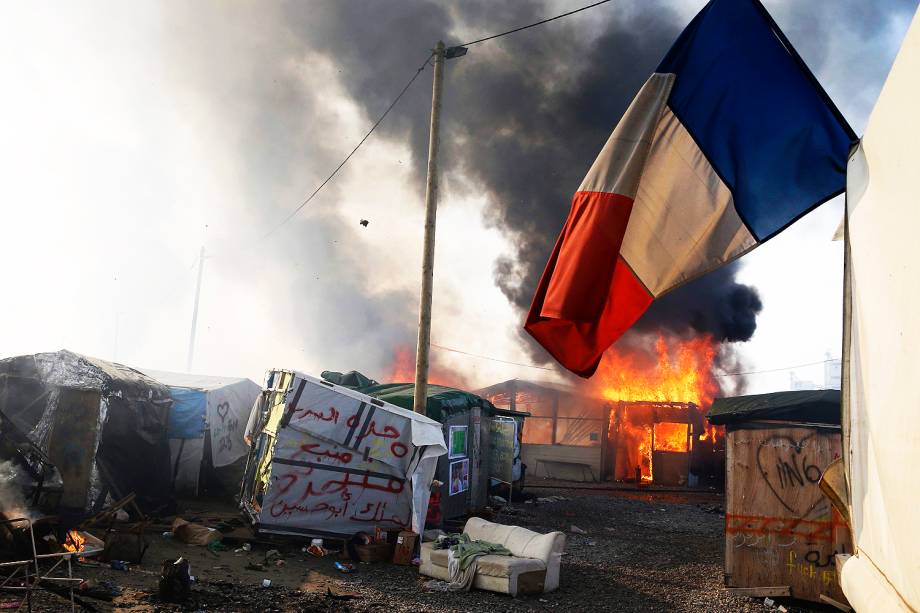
[{"x": 431, "y": 213}]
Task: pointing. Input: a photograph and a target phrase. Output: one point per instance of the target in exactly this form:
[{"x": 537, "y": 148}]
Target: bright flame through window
[{"x": 671, "y": 437}]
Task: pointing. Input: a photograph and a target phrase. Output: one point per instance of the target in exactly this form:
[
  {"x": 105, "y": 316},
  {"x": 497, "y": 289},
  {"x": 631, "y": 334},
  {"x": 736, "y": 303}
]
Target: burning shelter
[
  {"x": 781, "y": 532},
  {"x": 329, "y": 461},
  {"x": 102, "y": 424},
  {"x": 206, "y": 429},
  {"x": 576, "y": 435}
]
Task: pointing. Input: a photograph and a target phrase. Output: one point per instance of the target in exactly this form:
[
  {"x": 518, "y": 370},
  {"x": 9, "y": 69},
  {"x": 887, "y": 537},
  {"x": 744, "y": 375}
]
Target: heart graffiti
[
  {"x": 791, "y": 472},
  {"x": 222, "y": 409}
]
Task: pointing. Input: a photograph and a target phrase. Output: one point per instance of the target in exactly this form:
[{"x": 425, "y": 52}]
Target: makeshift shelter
[
  {"x": 881, "y": 490},
  {"x": 483, "y": 441},
  {"x": 206, "y": 428},
  {"x": 781, "y": 532},
  {"x": 329, "y": 461},
  {"x": 102, "y": 424},
  {"x": 565, "y": 436}
]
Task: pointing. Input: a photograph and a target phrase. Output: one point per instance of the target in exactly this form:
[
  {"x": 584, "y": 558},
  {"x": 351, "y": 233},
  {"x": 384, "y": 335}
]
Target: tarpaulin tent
[
  {"x": 329, "y": 461},
  {"x": 881, "y": 361},
  {"x": 207, "y": 424},
  {"x": 102, "y": 424}
]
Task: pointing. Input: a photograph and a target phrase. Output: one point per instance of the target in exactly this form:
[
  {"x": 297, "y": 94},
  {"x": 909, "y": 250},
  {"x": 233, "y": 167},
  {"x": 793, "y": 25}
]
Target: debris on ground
[{"x": 576, "y": 530}]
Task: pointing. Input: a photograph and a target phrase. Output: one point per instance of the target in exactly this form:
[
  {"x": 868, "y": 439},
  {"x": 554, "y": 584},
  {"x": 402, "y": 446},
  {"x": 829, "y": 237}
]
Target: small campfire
[{"x": 74, "y": 542}]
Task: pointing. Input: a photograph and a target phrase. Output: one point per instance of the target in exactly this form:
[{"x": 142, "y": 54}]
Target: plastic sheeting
[
  {"x": 882, "y": 396},
  {"x": 130, "y": 452},
  {"x": 186, "y": 416},
  {"x": 339, "y": 462}
]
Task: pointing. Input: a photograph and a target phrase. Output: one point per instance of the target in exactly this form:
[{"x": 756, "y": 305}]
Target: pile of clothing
[{"x": 462, "y": 560}]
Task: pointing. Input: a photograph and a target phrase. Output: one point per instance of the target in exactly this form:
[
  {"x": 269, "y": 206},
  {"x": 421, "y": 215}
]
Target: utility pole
[
  {"x": 191, "y": 338},
  {"x": 431, "y": 213}
]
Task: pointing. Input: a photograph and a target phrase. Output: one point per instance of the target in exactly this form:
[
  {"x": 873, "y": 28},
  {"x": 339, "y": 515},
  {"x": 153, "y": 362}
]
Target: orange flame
[
  {"x": 74, "y": 542},
  {"x": 681, "y": 371},
  {"x": 677, "y": 371},
  {"x": 402, "y": 370}
]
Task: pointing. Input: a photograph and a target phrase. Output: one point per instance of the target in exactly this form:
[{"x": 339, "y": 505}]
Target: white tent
[
  {"x": 208, "y": 413},
  {"x": 329, "y": 461},
  {"x": 882, "y": 348}
]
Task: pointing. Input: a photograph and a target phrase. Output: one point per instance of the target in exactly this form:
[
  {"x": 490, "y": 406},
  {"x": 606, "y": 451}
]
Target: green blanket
[{"x": 468, "y": 550}]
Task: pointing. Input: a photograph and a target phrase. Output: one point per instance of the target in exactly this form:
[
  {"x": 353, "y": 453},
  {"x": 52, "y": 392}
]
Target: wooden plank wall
[{"x": 780, "y": 530}]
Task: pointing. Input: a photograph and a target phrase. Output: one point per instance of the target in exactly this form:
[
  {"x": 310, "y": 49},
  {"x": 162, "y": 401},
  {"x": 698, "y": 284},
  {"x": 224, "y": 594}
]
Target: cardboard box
[{"x": 405, "y": 548}]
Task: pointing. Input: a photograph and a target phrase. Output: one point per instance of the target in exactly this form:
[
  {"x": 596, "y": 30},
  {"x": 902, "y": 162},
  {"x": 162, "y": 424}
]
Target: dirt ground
[{"x": 642, "y": 551}]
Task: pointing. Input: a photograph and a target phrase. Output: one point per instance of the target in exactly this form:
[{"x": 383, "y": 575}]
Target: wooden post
[{"x": 431, "y": 212}]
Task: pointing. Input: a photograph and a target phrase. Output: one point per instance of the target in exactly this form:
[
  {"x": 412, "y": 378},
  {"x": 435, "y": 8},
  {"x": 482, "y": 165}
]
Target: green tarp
[
  {"x": 442, "y": 401},
  {"x": 811, "y": 406}
]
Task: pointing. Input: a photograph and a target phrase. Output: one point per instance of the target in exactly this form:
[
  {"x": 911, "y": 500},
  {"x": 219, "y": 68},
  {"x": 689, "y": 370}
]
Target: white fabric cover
[
  {"x": 229, "y": 405},
  {"x": 532, "y": 552},
  {"x": 884, "y": 351}
]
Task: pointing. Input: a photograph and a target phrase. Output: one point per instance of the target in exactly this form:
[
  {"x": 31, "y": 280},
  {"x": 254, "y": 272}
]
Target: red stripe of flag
[{"x": 588, "y": 296}]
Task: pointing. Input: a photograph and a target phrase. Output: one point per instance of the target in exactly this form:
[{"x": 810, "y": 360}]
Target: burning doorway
[{"x": 651, "y": 442}]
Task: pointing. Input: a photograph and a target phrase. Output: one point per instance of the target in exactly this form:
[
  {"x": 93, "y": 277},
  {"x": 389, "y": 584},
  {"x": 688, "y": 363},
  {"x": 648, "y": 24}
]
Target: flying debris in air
[{"x": 364, "y": 222}]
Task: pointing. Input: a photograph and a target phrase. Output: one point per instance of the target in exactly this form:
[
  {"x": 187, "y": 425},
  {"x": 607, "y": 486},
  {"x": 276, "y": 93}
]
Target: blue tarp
[{"x": 187, "y": 415}]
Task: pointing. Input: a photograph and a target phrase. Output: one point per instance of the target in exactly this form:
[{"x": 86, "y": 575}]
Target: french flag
[{"x": 730, "y": 141}]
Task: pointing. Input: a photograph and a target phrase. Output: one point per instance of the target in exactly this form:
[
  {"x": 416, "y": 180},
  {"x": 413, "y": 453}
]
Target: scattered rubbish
[
  {"x": 194, "y": 534},
  {"x": 416, "y": 561},
  {"x": 266, "y": 582},
  {"x": 255, "y": 566},
  {"x": 782, "y": 609},
  {"x": 437, "y": 585},
  {"x": 543, "y": 600},
  {"x": 525, "y": 502},
  {"x": 340, "y": 595},
  {"x": 610, "y": 529},
  {"x": 217, "y": 546},
  {"x": 768, "y": 602},
  {"x": 119, "y": 565},
  {"x": 167, "y": 535},
  {"x": 576, "y": 530},
  {"x": 246, "y": 547},
  {"x": 498, "y": 500},
  {"x": 272, "y": 554},
  {"x": 592, "y": 543},
  {"x": 11, "y": 604},
  {"x": 345, "y": 567},
  {"x": 279, "y": 563},
  {"x": 317, "y": 542},
  {"x": 175, "y": 580}
]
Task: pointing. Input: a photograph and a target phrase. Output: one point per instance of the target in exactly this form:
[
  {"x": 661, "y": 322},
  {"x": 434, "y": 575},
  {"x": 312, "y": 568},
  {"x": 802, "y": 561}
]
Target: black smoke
[{"x": 523, "y": 118}]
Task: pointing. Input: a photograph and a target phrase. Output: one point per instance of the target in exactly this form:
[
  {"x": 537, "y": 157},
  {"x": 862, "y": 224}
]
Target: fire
[
  {"x": 677, "y": 371},
  {"x": 671, "y": 437},
  {"x": 74, "y": 542},
  {"x": 402, "y": 370},
  {"x": 681, "y": 371}
]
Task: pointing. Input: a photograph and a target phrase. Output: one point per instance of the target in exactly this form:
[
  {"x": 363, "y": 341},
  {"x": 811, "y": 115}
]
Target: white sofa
[{"x": 533, "y": 569}]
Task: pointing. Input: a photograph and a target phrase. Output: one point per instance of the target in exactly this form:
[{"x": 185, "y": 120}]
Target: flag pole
[
  {"x": 431, "y": 211},
  {"x": 191, "y": 338}
]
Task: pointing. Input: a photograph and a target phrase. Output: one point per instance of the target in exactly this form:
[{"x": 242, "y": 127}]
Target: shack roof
[
  {"x": 809, "y": 406},
  {"x": 442, "y": 401}
]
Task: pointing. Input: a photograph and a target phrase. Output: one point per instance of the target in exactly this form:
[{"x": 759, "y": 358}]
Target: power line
[
  {"x": 533, "y": 25},
  {"x": 485, "y": 357},
  {"x": 353, "y": 151},
  {"x": 757, "y": 372}
]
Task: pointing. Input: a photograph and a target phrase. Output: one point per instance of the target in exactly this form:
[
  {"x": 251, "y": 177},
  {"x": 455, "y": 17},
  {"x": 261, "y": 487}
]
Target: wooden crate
[{"x": 781, "y": 533}]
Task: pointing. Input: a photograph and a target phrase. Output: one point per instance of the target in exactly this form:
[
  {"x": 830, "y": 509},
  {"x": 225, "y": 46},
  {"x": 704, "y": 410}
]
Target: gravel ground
[{"x": 641, "y": 552}]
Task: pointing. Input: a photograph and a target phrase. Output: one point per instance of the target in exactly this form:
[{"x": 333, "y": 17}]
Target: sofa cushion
[
  {"x": 506, "y": 566},
  {"x": 520, "y": 541},
  {"x": 439, "y": 557}
]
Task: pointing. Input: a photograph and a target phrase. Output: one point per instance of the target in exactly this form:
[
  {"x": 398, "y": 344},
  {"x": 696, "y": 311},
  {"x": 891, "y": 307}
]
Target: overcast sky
[{"x": 135, "y": 133}]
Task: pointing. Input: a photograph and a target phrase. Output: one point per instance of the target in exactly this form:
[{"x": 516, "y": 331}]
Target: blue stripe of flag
[{"x": 758, "y": 115}]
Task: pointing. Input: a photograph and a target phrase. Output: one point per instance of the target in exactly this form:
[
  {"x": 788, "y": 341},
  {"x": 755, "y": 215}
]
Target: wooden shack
[{"x": 781, "y": 532}]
